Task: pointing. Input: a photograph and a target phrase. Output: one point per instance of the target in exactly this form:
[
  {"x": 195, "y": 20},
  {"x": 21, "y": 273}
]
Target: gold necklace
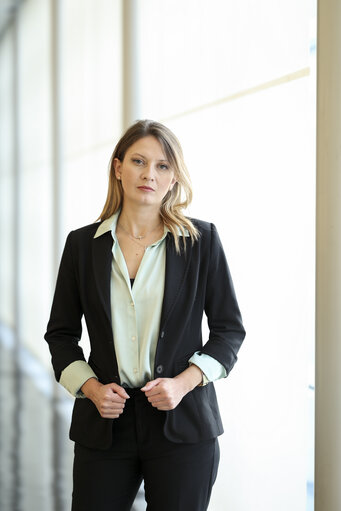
[
  {"x": 131, "y": 236},
  {"x": 138, "y": 243}
]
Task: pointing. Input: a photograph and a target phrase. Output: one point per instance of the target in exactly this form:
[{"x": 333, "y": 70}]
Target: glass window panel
[
  {"x": 198, "y": 51},
  {"x": 252, "y": 164},
  {"x": 35, "y": 207},
  {"x": 86, "y": 183},
  {"x": 91, "y": 74}
]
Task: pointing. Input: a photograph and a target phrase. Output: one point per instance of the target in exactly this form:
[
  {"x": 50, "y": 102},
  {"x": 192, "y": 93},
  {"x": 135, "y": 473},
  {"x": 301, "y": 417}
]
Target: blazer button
[{"x": 159, "y": 369}]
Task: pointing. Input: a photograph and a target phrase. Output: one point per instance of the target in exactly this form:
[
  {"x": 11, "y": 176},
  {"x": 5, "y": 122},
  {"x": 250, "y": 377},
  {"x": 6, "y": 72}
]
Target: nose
[{"x": 148, "y": 172}]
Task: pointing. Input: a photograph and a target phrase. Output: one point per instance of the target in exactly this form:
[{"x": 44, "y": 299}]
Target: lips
[{"x": 146, "y": 188}]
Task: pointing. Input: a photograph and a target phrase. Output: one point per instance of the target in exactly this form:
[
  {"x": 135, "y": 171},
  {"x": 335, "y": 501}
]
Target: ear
[
  {"x": 117, "y": 167},
  {"x": 174, "y": 180}
]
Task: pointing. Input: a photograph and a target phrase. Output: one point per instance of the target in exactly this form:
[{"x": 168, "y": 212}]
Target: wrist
[
  {"x": 90, "y": 387},
  {"x": 190, "y": 377}
]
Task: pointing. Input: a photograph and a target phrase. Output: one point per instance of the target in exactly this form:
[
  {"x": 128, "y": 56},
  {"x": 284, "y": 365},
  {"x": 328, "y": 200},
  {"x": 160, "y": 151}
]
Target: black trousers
[{"x": 177, "y": 477}]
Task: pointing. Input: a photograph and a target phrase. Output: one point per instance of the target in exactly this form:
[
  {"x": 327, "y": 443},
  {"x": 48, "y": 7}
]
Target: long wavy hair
[{"x": 176, "y": 200}]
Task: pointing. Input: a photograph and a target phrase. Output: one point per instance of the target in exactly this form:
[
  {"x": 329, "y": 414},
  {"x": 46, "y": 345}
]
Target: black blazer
[{"x": 196, "y": 281}]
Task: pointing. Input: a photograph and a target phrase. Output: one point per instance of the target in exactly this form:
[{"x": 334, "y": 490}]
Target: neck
[{"x": 139, "y": 220}]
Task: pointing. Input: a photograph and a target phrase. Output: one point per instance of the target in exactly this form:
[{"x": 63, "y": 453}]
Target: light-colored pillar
[
  {"x": 328, "y": 260},
  {"x": 57, "y": 197},
  {"x": 57, "y": 139},
  {"x": 131, "y": 74}
]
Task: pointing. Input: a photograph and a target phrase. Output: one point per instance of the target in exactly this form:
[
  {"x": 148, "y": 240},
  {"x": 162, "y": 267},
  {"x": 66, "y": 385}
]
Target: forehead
[{"x": 149, "y": 147}]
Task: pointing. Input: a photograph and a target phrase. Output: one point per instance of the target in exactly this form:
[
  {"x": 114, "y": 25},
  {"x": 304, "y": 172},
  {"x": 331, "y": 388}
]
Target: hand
[
  {"x": 166, "y": 393},
  {"x": 109, "y": 399}
]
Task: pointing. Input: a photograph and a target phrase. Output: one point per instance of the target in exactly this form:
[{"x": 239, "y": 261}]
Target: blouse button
[{"x": 159, "y": 369}]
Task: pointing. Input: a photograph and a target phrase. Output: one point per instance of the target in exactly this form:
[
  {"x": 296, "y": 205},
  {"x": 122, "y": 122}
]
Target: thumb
[
  {"x": 119, "y": 390},
  {"x": 150, "y": 385}
]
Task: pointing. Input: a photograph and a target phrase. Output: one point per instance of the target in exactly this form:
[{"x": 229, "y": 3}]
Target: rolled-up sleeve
[
  {"x": 212, "y": 369},
  {"x": 75, "y": 375}
]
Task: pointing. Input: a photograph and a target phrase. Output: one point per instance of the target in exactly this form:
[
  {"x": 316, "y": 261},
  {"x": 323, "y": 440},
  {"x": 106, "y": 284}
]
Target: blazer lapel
[
  {"x": 102, "y": 259},
  {"x": 176, "y": 271}
]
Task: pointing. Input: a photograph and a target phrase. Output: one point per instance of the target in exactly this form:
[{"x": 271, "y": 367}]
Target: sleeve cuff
[
  {"x": 75, "y": 375},
  {"x": 212, "y": 369}
]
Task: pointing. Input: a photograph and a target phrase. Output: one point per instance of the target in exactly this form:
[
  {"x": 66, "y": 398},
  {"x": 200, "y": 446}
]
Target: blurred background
[{"x": 235, "y": 81}]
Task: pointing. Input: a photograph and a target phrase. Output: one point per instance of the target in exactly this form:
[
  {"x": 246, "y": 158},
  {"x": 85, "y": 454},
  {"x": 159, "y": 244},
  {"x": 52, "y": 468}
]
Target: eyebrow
[{"x": 142, "y": 156}]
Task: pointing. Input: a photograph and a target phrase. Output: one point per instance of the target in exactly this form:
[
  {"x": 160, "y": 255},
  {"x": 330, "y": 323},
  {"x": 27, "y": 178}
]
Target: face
[{"x": 145, "y": 173}]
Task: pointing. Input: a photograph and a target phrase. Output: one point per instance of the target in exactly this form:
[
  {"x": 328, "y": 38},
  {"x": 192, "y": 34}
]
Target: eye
[
  {"x": 163, "y": 166},
  {"x": 138, "y": 161}
]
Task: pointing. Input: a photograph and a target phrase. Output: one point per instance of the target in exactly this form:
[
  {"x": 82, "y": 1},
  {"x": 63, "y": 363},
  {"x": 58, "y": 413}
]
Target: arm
[
  {"x": 64, "y": 328},
  {"x": 219, "y": 354},
  {"x": 221, "y": 307}
]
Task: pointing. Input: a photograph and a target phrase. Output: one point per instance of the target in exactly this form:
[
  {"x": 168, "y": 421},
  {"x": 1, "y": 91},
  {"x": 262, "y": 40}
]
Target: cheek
[
  {"x": 166, "y": 185},
  {"x": 126, "y": 177},
  {"x": 167, "y": 182}
]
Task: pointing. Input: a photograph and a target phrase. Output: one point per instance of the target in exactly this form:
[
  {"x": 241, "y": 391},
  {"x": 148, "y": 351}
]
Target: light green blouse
[{"x": 136, "y": 314}]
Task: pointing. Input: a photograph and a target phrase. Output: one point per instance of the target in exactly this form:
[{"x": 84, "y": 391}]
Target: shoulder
[
  {"x": 86, "y": 230},
  {"x": 83, "y": 235},
  {"x": 201, "y": 225},
  {"x": 206, "y": 229},
  {"x": 209, "y": 239}
]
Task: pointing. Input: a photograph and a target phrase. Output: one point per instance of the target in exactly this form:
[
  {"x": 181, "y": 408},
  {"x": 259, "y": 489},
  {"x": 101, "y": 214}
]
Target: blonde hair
[{"x": 176, "y": 200}]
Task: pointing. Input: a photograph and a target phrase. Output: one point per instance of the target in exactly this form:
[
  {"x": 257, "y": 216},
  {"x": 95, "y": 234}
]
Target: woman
[{"x": 146, "y": 406}]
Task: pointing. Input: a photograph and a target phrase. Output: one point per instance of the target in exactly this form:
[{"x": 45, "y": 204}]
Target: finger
[
  {"x": 157, "y": 400},
  {"x": 159, "y": 406},
  {"x": 110, "y": 415},
  {"x": 151, "y": 384},
  {"x": 165, "y": 403},
  {"x": 113, "y": 409},
  {"x": 119, "y": 390},
  {"x": 115, "y": 406},
  {"x": 154, "y": 392},
  {"x": 116, "y": 398},
  {"x": 111, "y": 405},
  {"x": 113, "y": 402},
  {"x": 155, "y": 396}
]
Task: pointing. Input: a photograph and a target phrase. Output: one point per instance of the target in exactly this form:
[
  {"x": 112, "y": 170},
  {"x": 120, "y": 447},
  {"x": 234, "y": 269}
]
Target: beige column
[
  {"x": 131, "y": 72},
  {"x": 328, "y": 260}
]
